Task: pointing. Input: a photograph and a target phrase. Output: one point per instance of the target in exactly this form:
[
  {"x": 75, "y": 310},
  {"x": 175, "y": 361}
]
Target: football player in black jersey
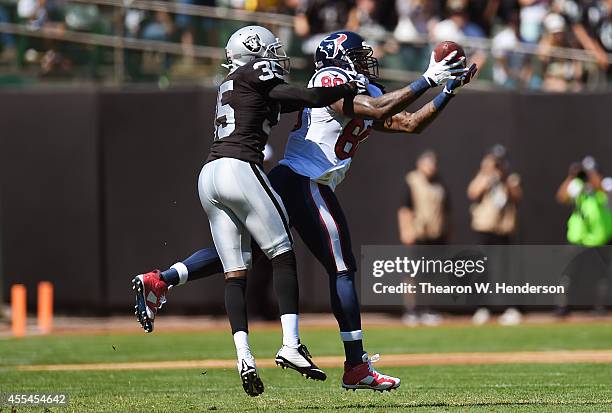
[{"x": 238, "y": 198}]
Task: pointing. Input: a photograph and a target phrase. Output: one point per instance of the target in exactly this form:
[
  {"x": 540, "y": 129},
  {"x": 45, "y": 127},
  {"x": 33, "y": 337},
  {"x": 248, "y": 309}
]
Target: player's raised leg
[
  {"x": 202, "y": 263},
  {"x": 319, "y": 219},
  {"x": 150, "y": 288}
]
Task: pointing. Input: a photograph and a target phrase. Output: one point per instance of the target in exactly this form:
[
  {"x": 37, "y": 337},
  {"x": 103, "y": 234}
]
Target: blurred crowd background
[
  {"x": 495, "y": 193},
  {"x": 552, "y": 45}
]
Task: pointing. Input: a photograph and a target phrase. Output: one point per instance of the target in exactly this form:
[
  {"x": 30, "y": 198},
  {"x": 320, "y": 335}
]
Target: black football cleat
[
  {"x": 299, "y": 359},
  {"x": 251, "y": 382}
]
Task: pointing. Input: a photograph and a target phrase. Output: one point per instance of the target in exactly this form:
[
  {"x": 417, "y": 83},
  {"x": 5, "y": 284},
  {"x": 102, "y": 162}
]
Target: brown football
[{"x": 443, "y": 49}]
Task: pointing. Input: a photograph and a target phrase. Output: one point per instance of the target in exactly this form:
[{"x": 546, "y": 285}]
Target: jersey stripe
[
  {"x": 279, "y": 209},
  {"x": 330, "y": 226}
]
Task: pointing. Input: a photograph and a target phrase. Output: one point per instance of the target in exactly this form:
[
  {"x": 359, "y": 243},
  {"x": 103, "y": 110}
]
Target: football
[{"x": 443, "y": 49}]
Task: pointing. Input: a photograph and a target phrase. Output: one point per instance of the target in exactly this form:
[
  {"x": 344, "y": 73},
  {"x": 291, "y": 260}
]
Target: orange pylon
[
  {"x": 45, "y": 307},
  {"x": 18, "y": 309}
]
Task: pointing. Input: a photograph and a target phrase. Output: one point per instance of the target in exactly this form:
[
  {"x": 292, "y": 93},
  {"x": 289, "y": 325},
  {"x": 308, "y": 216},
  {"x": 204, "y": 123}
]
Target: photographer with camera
[
  {"x": 495, "y": 195},
  {"x": 590, "y": 224}
]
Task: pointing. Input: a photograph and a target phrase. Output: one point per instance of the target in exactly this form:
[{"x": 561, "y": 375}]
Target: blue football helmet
[{"x": 349, "y": 51}]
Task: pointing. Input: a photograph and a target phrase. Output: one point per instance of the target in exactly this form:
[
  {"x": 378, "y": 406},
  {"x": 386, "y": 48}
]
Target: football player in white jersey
[{"x": 318, "y": 155}]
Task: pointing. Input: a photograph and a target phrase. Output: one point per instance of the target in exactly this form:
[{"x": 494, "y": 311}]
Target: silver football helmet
[{"x": 252, "y": 42}]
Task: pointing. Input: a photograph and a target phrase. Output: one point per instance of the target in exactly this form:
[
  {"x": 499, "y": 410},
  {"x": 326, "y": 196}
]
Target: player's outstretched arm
[
  {"x": 293, "y": 98},
  {"x": 416, "y": 122},
  {"x": 382, "y": 107}
]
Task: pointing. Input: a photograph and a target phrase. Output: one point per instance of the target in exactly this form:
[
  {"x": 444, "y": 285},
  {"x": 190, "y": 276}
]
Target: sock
[
  {"x": 202, "y": 263},
  {"x": 241, "y": 341},
  {"x": 345, "y": 306},
  {"x": 171, "y": 275},
  {"x": 284, "y": 277},
  {"x": 235, "y": 304},
  {"x": 354, "y": 352},
  {"x": 290, "y": 330}
]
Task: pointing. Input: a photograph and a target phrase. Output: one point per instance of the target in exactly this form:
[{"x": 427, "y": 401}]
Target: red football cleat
[
  {"x": 363, "y": 376},
  {"x": 150, "y": 292}
]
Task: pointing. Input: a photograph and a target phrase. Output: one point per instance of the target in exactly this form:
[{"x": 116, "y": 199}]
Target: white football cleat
[{"x": 299, "y": 359}]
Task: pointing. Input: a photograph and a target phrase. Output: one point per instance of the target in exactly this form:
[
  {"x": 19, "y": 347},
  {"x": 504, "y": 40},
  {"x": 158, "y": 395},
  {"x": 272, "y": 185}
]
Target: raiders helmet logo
[{"x": 253, "y": 43}]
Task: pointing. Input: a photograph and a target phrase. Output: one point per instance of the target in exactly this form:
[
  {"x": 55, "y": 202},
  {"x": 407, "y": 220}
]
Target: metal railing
[
  {"x": 197, "y": 11},
  {"x": 119, "y": 42}
]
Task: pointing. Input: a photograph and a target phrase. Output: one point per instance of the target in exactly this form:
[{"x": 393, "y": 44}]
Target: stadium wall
[{"x": 99, "y": 185}]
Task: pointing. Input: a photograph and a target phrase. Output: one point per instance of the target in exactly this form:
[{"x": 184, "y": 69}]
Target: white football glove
[{"x": 438, "y": 72}]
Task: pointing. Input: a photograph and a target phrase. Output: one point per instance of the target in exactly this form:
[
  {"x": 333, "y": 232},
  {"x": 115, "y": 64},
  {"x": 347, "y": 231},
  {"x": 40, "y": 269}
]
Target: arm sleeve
[{"x": 296, "y": 97}]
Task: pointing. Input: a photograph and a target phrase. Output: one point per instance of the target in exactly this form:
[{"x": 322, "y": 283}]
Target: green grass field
[{"x": 461, "y": 388}]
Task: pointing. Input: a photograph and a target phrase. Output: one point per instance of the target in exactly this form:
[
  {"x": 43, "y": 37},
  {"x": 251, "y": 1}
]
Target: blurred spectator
[
  {"x": 188, "y": 26},
  {"x": 424, "y": 219},
  {"x": 49, "y": 14},
  {"x": 159, "y": 26},
  {"x": 425, "y": 216},
  {"x": 508, "y": 23},
  {"x": 458, "y": 25},
  {"x": 366, "y": 19},
  {"x": 32, "y": 11},
  {"x": 316, "y": 18},
  {"x": 386, "y": 14},
  {"x": 589, "y": 225},
  {"x": 591, "y": 222},
  {"x": 495, "y": 194},
  {"x": 133, "y": 21},
  {"x": 559, "y": 75},
  {"x": 508, "y": 68},
  {"x": 591, "y": 24},
  {"x": 149, "y": 25},
  {"x": 7, "y": 41},
  {"x": 363, "y": 19},
  {"x": 597, "y": 19},
  {"x": 531, "y": 16},
  {"x": 416, "y": 17},
  {"x": 288, "y": 6}
]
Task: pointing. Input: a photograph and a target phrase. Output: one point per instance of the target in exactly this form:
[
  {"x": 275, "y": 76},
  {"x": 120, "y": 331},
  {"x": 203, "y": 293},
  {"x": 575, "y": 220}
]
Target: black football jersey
[{"x": 245, "y": 114}]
